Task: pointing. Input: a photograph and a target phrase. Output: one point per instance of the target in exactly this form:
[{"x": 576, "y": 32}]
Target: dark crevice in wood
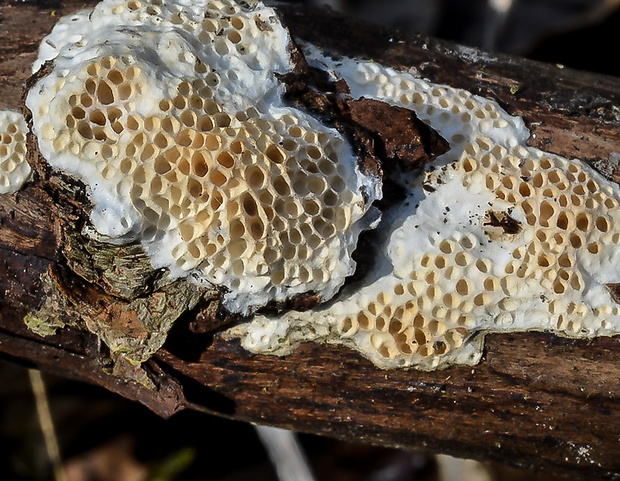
[{"x": 197, "y": 394}]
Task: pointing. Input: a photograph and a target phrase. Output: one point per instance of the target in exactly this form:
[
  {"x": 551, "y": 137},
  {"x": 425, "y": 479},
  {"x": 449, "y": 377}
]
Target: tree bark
[{"x": 535, "y": 401}]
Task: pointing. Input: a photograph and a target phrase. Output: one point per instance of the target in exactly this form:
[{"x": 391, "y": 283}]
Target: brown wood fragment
[
  {"x": 378, "y": 131},
  {"x": 614, "y": 289},
  {"x": 503, "y": 221},
  {"x": 404, "y": 138}
]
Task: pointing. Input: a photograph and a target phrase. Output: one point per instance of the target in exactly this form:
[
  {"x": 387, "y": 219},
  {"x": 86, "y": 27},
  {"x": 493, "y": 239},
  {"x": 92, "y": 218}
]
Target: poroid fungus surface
[
  {"x": 497, "y": 237},
  {"x": 14, "y": 170},
  {"x": 171, "y": 114}
]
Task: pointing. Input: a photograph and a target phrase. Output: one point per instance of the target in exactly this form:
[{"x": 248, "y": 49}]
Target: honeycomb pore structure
[
  {"x": 14, "y": 170},
  {"x": 172, "y": 115},
  {"x": 495, "y": 237}
]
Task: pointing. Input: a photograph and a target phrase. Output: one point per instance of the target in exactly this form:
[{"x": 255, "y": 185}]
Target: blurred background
[
  {"x": 582, "y": 34},
  {"x": 102, "y": 437}
]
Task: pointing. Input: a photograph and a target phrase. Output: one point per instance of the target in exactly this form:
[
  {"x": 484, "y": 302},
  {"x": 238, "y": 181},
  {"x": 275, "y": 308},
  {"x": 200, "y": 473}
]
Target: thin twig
[
  {"x": 455, "y": 469},
  {"x": 285, "y": 454},
  {"x": 46, "y": 423},
  {"x": 497, "y": 15}
]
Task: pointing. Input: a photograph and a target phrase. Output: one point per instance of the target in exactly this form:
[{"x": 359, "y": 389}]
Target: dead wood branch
[{"x": 535, "y": 401}]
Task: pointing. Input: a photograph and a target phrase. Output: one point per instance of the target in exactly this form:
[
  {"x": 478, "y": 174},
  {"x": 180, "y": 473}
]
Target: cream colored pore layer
[
  {"x": 14, "y": 170},
  {"x": 173, "y": 116},
  {"x": 504, "y": 238}
]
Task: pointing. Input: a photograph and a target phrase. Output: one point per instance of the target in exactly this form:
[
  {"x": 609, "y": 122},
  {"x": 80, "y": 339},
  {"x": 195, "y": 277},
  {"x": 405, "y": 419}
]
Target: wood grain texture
[{"x": 535, "y": 400}]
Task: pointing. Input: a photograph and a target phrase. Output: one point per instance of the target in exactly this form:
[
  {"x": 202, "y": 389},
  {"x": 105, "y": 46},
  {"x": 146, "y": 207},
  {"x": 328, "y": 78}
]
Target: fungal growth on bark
[
  {"x": 210, "y": 150},
  {"x": 14, "y": 170},
  {"x": 171, "y": 114},
  {"x": 498, "y": 237}
]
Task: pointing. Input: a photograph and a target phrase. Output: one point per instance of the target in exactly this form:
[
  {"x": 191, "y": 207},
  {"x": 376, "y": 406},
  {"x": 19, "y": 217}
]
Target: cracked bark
[{"x": 536, "y": 400}]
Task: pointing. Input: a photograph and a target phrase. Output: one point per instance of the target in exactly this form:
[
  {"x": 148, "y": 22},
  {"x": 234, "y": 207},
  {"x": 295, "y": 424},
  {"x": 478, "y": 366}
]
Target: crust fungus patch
[
  {"x": 497, "y": 237},
  {"x": 175, "y": 117},
  {"x": 172, "y": 115},
  {"x": 14, "y": 170}
]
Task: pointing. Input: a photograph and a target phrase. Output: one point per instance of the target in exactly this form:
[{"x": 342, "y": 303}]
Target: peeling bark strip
[
  {"x": 535, "y": 401},
  {"x": 404, "y": 137},
  {"x": 379, "y": 132}
]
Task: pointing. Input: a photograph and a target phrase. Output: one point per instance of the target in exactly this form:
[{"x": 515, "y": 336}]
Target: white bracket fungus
[
  {"x": 172, "y": 115},
  {"x": 499, "y": 237},
  {"x": 14, "y": 170}
]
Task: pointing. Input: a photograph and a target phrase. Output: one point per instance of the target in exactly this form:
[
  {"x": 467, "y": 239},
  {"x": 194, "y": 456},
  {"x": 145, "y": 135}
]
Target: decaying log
[{"x": 535, "y": 401}]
